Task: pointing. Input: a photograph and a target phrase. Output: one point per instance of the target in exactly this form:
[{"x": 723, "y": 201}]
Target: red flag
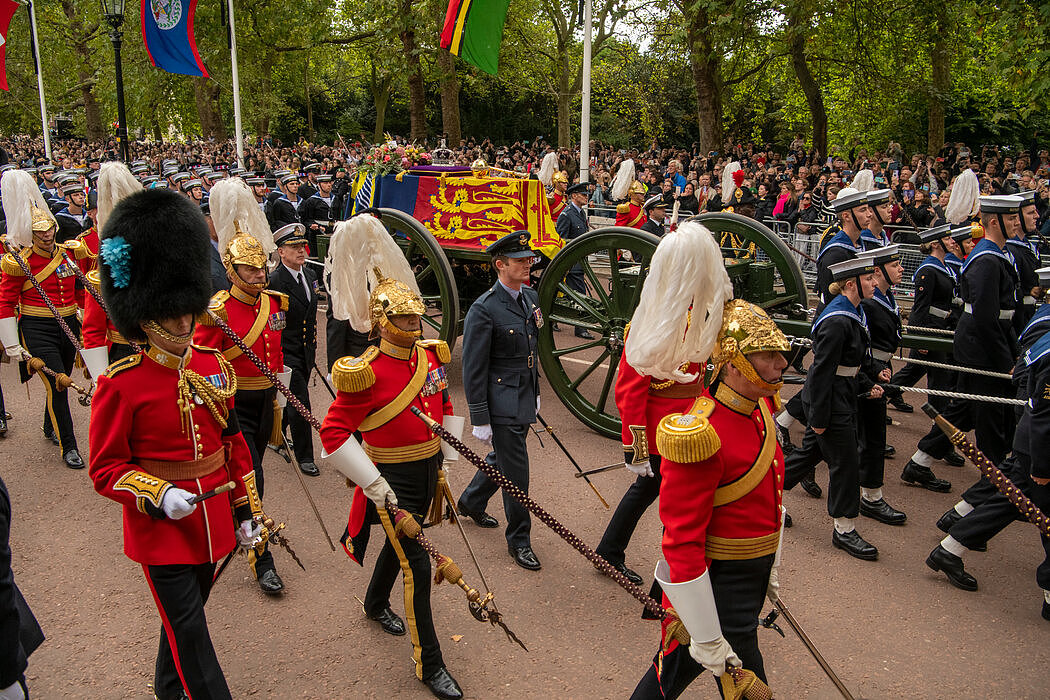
[{"x": 7, "y": 11}]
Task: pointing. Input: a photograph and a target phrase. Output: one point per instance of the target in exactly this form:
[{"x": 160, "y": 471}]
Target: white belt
[
  {"x": 1029, "y": 301},
  {"x": 1004, "y": 314},
  {"x": 844, "y": 371},
  {"x": 939, "y": 313},
  {"x": 881, "y": 355}
]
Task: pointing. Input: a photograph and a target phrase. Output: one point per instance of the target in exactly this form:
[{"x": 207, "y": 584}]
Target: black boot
[
  {"x": 882, "y": 511},
  {"x": 950, "y": 517},
  {"x": 901, "y": 405},
  {"x": 810, "y": 486},
  {"x": 443, "y": 685},
  {"x": 941, "y": 559},
  {"x": 918, "y": 475}
]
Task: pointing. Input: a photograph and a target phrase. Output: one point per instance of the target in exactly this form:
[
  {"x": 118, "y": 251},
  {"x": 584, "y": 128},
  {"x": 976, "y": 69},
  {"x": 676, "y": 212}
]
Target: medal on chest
[
  {"x": 277, "y": 321},
  {"x": 538, "y": 316},
  {"x": 436, "y": 381},
  {"x": 64, "y": 270}
]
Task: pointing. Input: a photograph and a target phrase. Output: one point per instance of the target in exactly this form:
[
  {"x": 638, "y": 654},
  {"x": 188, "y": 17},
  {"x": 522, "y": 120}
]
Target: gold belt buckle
[{"x": 530, "y": 360}]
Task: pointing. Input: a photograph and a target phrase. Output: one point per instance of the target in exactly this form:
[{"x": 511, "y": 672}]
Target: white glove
[
  {"x": 483, "y": 433},
  {"x": 713, "y": 655},
  {"x": 640, "y": 469},
  {"x": 380, "y": 493},
  {"x": 773, "y": 589},
  {"x": 176, "y": 503},
  {"x": 15, "y": 353},
  {"x": 12, "y": 692},
  {"x": 248, "y": 532}
]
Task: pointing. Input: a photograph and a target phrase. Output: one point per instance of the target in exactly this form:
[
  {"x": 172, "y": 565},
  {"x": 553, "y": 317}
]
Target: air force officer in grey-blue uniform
[{"x": 501, "y": 382}]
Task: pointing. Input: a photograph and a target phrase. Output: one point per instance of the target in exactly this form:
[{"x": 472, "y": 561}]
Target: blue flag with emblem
[{"x": 167, "y": 30}]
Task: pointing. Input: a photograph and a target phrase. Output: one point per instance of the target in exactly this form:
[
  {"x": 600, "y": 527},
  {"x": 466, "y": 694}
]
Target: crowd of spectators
[{"x": 791, "y": 185}]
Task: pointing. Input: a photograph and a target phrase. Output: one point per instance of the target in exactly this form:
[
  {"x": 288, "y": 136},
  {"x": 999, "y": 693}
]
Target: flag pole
[
  {"x": 236, "y": 88},
  {"x": 39, "y": 80},
  {"x": 585, "y": 116}
]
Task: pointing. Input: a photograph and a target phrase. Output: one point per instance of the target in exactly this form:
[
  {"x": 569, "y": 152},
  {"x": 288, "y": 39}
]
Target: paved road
[{"x": 892, "y": 628}]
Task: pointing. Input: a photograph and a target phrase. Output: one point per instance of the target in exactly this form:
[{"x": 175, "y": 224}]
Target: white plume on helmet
[
  {"x": 358, "y": 246},
  {"x": 625, "y": 175},
  {"x": 686, "y": 271},
  {"x": 964, "y": 200},
  {"x": 20, "y": 194},
  {"x": 115, "y": 182},
  {"x": 232, "y": 202},
  {"x": 547, "y": 168},
  {"x": 728, "y": 186},
  {"x": 864, "y": 181}
]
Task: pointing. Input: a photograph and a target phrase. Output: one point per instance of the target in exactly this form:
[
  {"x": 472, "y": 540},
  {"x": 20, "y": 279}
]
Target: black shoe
[
  {"x": 918, "y": 475},
  {"x": 941, "y": 559},
  {"x": 882, "y": 511},
  {"x": 854, "y": 545},
  {"x": 309, "y": 468},
  {"x": 889, "y": 451},
  {"x": 49, "y": 434},
  {"x": 810, "y": 486},
  {"x": 443, "y": 685},
  {"x": 950, "y": 517},
  {"x": 901, "y": 405},
  {"x": 73, "y": 459},
  {"x": 390, "y": 622},
  {"x": 629, "y": 574},
  {"x": 279, "y": 449},
  {"x": 787, "y": 520},
  {"x": 524, "y": 557},
  {"x": 481, "y": 519},
  {"x": 3, "y": 426},
  {"x": 270, "y": 582},
  {"x": 954, "y": 459},
  {"x": 784, "y": 438},
  {"x": 583, "y": 333}
]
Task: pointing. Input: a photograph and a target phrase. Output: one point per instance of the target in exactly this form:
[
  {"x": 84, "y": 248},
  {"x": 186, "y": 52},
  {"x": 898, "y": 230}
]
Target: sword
[
  {"x": 599, "y": 470},
  {"x": 325, "y": 380},
  {"x": 302, "y": 482},
  {"x": 580, "y": 472},
  {"x": 782, "y": 609},
  {"x": 228, "y": 486}
]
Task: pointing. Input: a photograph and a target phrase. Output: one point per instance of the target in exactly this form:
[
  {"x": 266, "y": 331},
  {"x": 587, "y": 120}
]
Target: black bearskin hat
[{"x": 154, "y": 261}]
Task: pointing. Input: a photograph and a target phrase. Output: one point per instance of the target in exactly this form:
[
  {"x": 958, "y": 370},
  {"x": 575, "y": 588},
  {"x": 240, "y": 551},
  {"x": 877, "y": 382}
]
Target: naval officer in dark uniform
[
  {"x": 572, "y": 222},
  {"x": 502, "y": 385},
  {"x": 299, "y": 337}
]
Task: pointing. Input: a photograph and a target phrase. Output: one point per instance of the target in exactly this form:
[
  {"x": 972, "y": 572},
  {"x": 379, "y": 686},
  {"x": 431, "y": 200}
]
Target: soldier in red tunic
[
  {"x": 257, "y": 315},
  {"x": 558, "y": 198},
  {"x": 720, "y": 500},
  {"x": 163, "y": 430},
  {"x": 632, "y": 212},
  {"x": 400, "y": 462},
  {"x": 25, "y": 318}
]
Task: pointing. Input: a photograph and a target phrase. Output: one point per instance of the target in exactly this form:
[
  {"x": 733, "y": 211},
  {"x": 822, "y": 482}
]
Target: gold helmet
[
  {"x": 637, "y": 188},
  {"x": 747, "y": 328},
  {"x": 244, "y": 236},
  {"x": 559, "y": 176},
  {"x": 391, "y": 297},
  {"x": 41, "y": 219}
]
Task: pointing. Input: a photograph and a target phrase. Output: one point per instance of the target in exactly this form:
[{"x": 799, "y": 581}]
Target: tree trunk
[
  {"x": 939, "y": 91},
  {"x": 380, "y": 91},
  {"x": 706, "y": 80},
  {"x": 206, "y": 95},
  {"x": 797, "y": 49},
  {"x": 449, "y": 97},
  {"x": 564, "y": 95},
  {"x": 79, "y": 36},
  {"x": 262, "y": 121},
  {"x": 309, "y": 102},
  {"x": 417, "y": 114}
]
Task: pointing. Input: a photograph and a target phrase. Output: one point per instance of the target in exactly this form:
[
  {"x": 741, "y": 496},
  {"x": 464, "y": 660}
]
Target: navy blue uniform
[
  {"x": 571, "y": 223},
  {"x": 501, "y": 382}
]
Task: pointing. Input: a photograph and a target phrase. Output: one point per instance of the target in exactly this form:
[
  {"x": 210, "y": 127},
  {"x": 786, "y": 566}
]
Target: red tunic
[
  {"x": 633, "y": 216},
  {"x": 96, "y": 328},
  {"x": 59, "y": 282},
  {"x": 643, "y": 401},
  {"x": 90, "y": 240},
  {"x": 135, "y": 415},
  {"x": 243, "y": 314},
  {"x": 558, "y": 202}
]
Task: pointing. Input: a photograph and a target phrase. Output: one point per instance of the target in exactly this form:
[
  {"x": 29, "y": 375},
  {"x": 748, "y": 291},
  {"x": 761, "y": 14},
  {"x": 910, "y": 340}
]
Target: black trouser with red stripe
[
  {"x": 254, "y": 408},
  {"x": 180, "y": 591},
  {"x": 740, "y": 591},
  {"x": 44, "y": 338}
]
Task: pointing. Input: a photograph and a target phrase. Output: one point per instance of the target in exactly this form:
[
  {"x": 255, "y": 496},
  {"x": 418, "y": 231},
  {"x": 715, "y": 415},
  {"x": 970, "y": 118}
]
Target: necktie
[{"x": 302, "y": 284}]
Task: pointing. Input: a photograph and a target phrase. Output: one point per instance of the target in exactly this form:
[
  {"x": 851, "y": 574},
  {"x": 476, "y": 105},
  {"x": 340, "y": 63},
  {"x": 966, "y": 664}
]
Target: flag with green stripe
[{"x": 474, "y": 31}]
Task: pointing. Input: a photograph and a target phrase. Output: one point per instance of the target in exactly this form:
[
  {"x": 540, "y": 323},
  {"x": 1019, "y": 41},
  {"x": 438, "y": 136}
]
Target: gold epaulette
[
  {"x": 10, "y": 266},
  {"x": 689, "y": 437},
  {"x": 95, "y": 278},
  {"x": 217, "y": 305},
  {"x": 440, "y": 348},
  {"x": 77, "y": 247},
  {"x": 353, "y": 374},
  {"x": 623, "y": 208},
  {"x": 280, "y": 296},
  {"x": 123, "y": 364}
]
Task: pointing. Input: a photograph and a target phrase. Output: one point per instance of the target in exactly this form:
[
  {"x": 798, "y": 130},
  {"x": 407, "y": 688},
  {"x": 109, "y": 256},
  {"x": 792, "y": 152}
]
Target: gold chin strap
[
  {"x": 154, "y": 327},
  {"x": 747, "y": 369},
  {"x": 398, "y": 336}
]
